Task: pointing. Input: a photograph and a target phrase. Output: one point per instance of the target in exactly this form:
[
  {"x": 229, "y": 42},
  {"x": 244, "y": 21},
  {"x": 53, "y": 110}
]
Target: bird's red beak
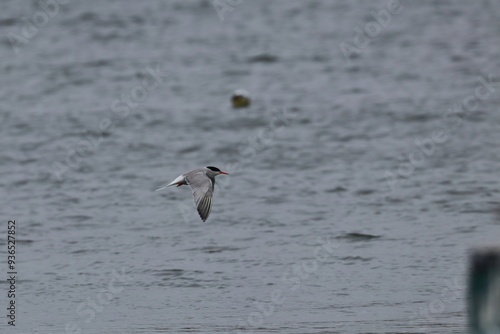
[{"x": 223, "y": 173}]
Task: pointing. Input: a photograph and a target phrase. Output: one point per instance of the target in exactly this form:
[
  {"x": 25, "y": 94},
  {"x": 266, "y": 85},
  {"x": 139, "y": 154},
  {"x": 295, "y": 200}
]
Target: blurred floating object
[
  {"x": 484, "y": 291},
  {"x": 358, "y": 236},
  {"x": 263, "y": 58},
  {"x": 240, "y": 99}
]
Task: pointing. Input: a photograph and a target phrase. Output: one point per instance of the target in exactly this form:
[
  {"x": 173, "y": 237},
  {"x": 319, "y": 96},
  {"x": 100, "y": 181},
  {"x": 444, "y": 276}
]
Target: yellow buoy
[{"x": 240, "y": 99}]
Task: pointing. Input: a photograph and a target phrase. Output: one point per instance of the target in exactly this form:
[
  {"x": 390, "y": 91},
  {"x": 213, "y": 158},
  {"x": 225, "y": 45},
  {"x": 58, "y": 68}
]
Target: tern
[{"x": 202, "y": 182}]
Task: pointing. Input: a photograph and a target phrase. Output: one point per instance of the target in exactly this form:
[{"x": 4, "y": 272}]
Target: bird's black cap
[{"x": 213, "y": 169}]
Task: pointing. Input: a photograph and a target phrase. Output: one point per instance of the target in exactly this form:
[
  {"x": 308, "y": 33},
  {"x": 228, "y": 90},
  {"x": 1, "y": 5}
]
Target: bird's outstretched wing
[{"x": 203, "y": 189}]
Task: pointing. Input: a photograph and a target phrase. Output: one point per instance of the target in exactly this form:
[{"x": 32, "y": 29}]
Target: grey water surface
[{"x": 362, "y": 173}]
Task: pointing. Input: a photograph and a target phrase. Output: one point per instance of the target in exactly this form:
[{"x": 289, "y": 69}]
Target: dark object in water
[
  {"x": 484, "y": 291},
  {"x": 240, "y": 99}
]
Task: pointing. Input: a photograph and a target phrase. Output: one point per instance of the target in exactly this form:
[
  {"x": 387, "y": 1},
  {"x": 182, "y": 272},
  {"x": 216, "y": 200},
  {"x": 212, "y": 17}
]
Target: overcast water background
[{"x": 323, "y": 225}]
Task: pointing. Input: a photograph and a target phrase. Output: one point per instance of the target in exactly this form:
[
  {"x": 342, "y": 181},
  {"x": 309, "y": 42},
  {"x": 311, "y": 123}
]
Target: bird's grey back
[
  {"x": 197, "y": 177},
  {"x": 202, "y": 185}
]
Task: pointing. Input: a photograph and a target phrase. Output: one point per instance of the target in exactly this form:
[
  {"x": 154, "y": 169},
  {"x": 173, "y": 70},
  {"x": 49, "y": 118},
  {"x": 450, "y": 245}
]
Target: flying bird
[{"x": 202, "y": 182}]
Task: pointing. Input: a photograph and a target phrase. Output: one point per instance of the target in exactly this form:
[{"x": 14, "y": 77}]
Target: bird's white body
[
  {"x": 202, "y": 182},
  {"x": 179, "y": 179}
]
